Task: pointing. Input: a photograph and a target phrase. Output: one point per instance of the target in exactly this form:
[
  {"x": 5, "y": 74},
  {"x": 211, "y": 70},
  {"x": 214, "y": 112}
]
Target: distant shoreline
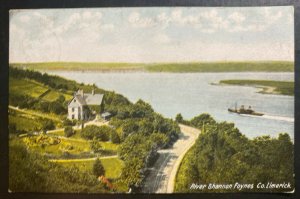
[
  {"x": 264, "y": 86},
  {"x": 192, "y": 67}
]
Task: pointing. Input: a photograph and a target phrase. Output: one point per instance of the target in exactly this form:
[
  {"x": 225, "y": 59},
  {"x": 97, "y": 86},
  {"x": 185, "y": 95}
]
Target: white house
[{"x": 78, "y": 107}]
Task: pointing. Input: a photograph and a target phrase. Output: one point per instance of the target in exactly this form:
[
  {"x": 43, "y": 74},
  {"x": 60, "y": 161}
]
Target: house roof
[
  {"x": 80, "y": 99},
  {"x": 91, "y": 99},
  {"x": 88, "y": 98}
]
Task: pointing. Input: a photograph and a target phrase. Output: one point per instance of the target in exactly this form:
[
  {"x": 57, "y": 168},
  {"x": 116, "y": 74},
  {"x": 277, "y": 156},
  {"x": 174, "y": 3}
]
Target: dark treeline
[{"x": 223, "y": 155}]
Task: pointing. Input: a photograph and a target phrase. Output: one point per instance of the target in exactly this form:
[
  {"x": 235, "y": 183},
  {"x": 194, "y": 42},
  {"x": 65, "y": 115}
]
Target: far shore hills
[{"x": 186, "y": 67}]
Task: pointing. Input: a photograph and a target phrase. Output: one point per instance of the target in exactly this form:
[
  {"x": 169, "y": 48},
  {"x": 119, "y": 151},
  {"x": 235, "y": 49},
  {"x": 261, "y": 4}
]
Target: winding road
[{"x": 161, "y": 178}]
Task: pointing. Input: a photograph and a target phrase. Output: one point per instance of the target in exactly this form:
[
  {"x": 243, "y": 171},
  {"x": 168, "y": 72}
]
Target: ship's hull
[{"x": 245, "y": 113}]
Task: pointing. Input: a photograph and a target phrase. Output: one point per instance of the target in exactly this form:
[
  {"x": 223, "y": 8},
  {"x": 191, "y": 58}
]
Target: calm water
[{"x": 192, "y": 93}]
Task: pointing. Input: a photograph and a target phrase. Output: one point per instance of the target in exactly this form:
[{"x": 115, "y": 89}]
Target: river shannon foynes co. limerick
[{"x": 192, "y": 94}]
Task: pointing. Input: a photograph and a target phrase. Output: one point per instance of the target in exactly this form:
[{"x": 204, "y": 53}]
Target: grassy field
[
  {"x": 24, "y": 123},
  {"x": 34, "y": 114},
  {"x": 30, "y": 120},
  {"x": 106, "y": 145},
  {"x": 269, "y": 87},
  {"x": 113, "y": 166},
  {"x": 259, "y": 66},
  {"x": 26, "y": 87},
  {"x": 53, "y": 95},
  {"x": 75, "y": 146},
  {"x": 34, "y": 89},
  {"x": 72, "y": 147}
]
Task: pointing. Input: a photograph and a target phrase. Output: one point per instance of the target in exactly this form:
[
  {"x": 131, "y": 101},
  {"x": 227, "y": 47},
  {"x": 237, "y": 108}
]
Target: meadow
[{"x": 35, "y": 89}]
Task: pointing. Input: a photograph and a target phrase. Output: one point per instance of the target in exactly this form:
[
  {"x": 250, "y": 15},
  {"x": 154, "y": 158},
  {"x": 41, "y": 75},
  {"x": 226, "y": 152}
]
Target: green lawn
[
  {"x": 72, "y": 147},
  {"x": 24, "y": 123},
  {"x": 53, "y": 95},
  {"x": 76, "y": 137},
  {"x": 26, "y": 87},
  {"x": 34, "y": 89},
  {"x": 35, "y": 113},
  {"x": 113, "y": 166},
  {"x": 279, "y": 87},
  {"x": 75, "y": 146}
]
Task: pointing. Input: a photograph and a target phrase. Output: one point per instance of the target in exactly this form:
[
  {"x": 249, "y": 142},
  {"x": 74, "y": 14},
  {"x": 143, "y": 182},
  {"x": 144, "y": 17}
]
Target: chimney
[
  {"x": 80, "y": 92},
  {"x": 93, "y": 92}
]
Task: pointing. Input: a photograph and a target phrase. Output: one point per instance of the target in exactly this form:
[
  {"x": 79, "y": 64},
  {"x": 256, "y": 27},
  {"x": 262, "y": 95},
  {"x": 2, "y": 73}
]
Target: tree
[
  {"x": 101, "y": 133},
  {"x": 61, "y": 99},
  {"x": 95, "y": 146},
  {"x": 179, "y": 118},
  {"x": 98, "y": 169},
  {"x": 114, "y": 137},
  {"x": 48, "y": 125},
  {"x": 68, "y": 131}
]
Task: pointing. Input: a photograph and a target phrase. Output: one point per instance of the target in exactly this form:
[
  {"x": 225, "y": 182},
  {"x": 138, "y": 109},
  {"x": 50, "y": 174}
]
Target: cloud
[
  {"x": 148, "y": 34},
  {"x": 237, "y": 17},
  {"x": 210, "y": 21},
  {"x": 137, "y": 21}
]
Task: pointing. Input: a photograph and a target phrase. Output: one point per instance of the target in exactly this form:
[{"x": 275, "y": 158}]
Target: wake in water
[{"x": 272, "y": 117}]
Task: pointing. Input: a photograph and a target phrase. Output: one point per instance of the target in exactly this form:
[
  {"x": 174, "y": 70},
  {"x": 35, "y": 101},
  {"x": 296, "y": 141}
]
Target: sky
[{"x": 164, "y": 34}]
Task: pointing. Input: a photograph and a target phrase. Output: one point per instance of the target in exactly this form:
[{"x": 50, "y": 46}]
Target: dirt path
[
  {"x": 83, "y": 159},
  {"x": 162, "y": 175}
]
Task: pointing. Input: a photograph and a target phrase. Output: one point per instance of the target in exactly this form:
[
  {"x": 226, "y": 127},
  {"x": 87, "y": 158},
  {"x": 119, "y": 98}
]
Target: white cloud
[
  {"x": 210, "y": 21},
  {"x": 137, "y": 21},
  {"x": 169, "y": 35},
  {"x": 237, "y": 17}
]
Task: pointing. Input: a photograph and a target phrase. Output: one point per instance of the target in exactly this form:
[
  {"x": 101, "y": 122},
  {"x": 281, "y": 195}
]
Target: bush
[
  {"x": 179, "y": 118},
  {"x": 101, "y": 133},
  {"x": 68, "y": 122},
  {"x": 48, "y": 125},
  {"x": 98, "y": 169},
  {"x": 95, "y": 146},
  {"x": 68, "y": 131},
  {"x": 114, "y": 137}
]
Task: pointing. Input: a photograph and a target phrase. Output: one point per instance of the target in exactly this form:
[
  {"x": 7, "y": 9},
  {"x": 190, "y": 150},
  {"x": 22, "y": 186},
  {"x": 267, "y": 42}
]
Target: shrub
[
  {"x": 98, "y": 169},
  {"x": 95, "y": 146},
  {"x": 48, "y": 125},
  {"x": 179, "y": 118},
  {"x": 101, "y": 133},
  {"x": 114, "y": 137},
  {"x": 68, "y": 131}
]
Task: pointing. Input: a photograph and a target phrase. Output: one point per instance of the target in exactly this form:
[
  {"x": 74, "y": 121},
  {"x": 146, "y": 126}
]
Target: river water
[{"x": 192, "y": 94}]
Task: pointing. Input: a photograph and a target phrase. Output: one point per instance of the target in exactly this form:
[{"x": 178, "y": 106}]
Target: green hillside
[
  {"x": 268, "y": 87},
  {"x": 230, "y": 66}
]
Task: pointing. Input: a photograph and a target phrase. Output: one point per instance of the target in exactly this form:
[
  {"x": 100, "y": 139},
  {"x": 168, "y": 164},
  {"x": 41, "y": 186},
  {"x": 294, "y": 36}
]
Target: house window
[
  {"x": 72, "y": 117},
  {"x": 72, "y": 109},
  {"x": 74, "y": 100},
  {"x": 79, "y": 117}
]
